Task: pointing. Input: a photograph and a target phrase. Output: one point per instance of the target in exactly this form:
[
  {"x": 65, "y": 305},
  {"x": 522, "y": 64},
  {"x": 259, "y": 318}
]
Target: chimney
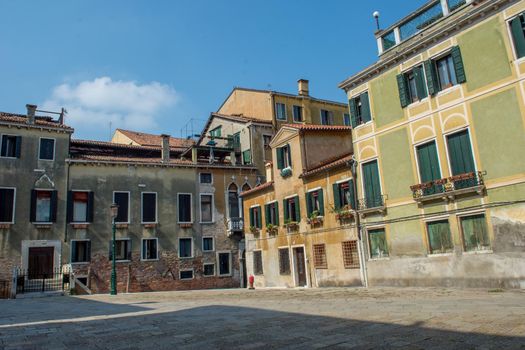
[
  {"x": 31, "y": 110},
  {"x": 303, "y": 87},
  {"x": 165, "y": 148},
  {"x": 269, "y": 171}
]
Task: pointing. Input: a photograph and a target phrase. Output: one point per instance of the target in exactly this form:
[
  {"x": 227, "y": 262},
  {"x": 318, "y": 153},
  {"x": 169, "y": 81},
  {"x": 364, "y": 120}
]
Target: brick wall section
[
  {"x": 6, "y": 267},
  {"x": 161, "y": 275}
]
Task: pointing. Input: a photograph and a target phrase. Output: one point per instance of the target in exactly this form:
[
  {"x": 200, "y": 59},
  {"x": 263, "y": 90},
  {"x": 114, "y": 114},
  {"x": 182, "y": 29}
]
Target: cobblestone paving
[{"x": 264, "y": 319}]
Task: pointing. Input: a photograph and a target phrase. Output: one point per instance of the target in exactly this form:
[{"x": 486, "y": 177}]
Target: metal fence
[{"x": 28, "y": 281}]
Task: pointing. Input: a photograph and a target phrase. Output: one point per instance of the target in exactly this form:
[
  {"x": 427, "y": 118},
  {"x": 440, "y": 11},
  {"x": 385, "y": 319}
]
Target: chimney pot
[
  {"x": 303, "y": 87},
  {"x": 31, "y": 111},
  {"x": 165, "y": 145}
]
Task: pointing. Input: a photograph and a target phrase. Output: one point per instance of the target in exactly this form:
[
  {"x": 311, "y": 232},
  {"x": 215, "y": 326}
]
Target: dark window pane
[
  {"x": 8, "y": 148},
  {"x": 122, "y": 200},
  {"x": 80, "y": 251},
  {"x": 47, "y": 149},
  {"x": 224, "y": 264},
  {"x": 149, "y": 207},
  {"x": 149, "y": 249},
  {"x": 185, "y": 250},
  {"x": 205, "y": 178},
  {"x": 207, "y": 243},
  {"x": 186, "y": 275},
  {"x": 7, "y": 196},
  {"x": 209, "y": 270},
  {"x": 185, "y": 208}
]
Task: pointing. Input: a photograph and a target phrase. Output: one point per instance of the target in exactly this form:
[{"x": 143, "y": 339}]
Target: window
[
  {"x": 360, "y": 110},
  {"x": 320, "y": 256},
  {"x": 439, "y": 239},
  {"x": 205, "y": 178},
  {"x": 217, "y": 132},
  {"x": 186, "y": 274},
  {"x": 149, "y": 207},
  {"x": 80, "y": 206},
  {"x": 185, "y": 248},
  {"x": 207, "y": 244},
  {"x": 428, "y": 164},
  {"x": 122, "y": 200},
  {"x": 373, "y": 197},
  {"x": 257, "y": 263},
  {"x": 455, "y": 4},
  {"x": 7, "y": 205},
  {"x": 350, "y": 255},
  {"x": 255, "y": 217},
  {"x": 284, "y": 157},
  {"x": 10, "y": 147},
  {"x": 315, "y": 202},
  {"x": 411, "y": 86},
  {"x": 47, "y": 149},
  {"x": 344, "y": 195},
  {"x": 346, "y": 119},
  {"x": 445, "y": 71},
  {"x": 122, "y": 250},
  {"x": 292, "y": 212},
  {"x": 233, "y": 201},
  {"x": 247, "y": 157},
  {"x": 272, "y": 213},
  {"x": 184, "y": 204},
  {"x": 284, "y": 261},
  {"x": 224, "y": 263},
  {"x": 475, "y": 235},
  {"x": 460, "y": 157},
  {"x": 43, "y": 206},
  {"x": 208, "y": 269},
  {"x": 297, "y": 113},
  {"x": 377, "y": 243},
  {"x": 266, "y": 141},
  {"x": 80, "y": 251},
  {"x": 280, "y": 110},
  {"x": 517, "y": 27},
  {"x": 206, "y": 208},
  {"x": 388, "y": 40},
  {"x": 150, "y": 249},
  {"x": 327, "y": 117}
]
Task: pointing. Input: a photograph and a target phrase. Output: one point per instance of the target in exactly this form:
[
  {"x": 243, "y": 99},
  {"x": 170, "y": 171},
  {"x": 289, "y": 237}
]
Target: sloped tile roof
[
  {"x": 328, "y": 164},
  {"x": 257, "y": 188},
  {"x": 40, "y": 121},
  {"x": 318, "y": 127},
  {"x": 145, "y": 139}
]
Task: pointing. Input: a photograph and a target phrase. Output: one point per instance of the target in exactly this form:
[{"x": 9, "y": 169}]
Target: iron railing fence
[{"x": 28, "y": 281}]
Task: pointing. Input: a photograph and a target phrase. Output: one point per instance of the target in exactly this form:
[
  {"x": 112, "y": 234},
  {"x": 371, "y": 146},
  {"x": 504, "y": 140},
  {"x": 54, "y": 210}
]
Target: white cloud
[{"x": 93, "y": 105}]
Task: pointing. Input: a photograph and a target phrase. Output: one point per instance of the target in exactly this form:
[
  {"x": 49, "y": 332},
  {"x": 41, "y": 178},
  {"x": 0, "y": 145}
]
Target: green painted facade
[{"x": 385, "y": 100}]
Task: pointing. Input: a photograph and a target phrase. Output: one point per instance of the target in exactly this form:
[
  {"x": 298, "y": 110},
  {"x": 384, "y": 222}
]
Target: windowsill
[
  {"x": 149, "y": 259},
  {"x": 122, "y": 261},
  {"x": 362, "y": 124},
  {"x": 379, "y": 259},
  {"x": 149, "y": 224},
  {"x": 228, "y": 275},
  {"x": 9, "y": 157},
  {"x": 79, "y": 225},
  {"x": 186, "y": 257},
  {"x": 186, "y": 279},
  {"x": 418, "y": 102},
  {"x": 208, "y": 251},
  {"x": 206, "y": 222},
  {"x": 475, "y": 252},
  {"x": 43, "y": 225},
  {"x": 122, "y": 225},
  {"x": 185, "y": 224},
  {"x": 437, "y": 255},
  {"x": 46, "y": 160},
  {"x": 321, "y": 268},
  {"x": 80, "y": 263},
  {"x": 448, "y": 90},
  {"x": 208, "y": 275}
]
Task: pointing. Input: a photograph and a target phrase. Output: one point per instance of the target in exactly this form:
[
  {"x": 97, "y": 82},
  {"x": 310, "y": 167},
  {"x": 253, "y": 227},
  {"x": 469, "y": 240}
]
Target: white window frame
[
  {"x": 54, "y": 147},
  {"x": 186, "y": 270},
  {"x": 277, "y": 114},
  {"x": 329, "y": 113},
  {"x": 129, "y": 207},
  {"x": 230, "y": 263},
  {"x": 1, "y": 141},
  {"x": 212, "y": 243},
  {"x": 14, "y": 205},
  {"x": 142, "y": 248},
  {"x": 212, "y": 208},
  {"x": 142, "y": 208},
  {"x": 191, "y": 208},
  {"x": 122, "y": 239},
  {"x": 206, "y": 183},
  {"x": 71, "y": 252},
  {"x": 214, "y": 270},
  {"x": 192, "y": 248}
]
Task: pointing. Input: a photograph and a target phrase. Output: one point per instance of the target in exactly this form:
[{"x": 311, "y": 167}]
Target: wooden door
[
  {"x": 300, "y": 267},
  {"x": 40, "y": 262}
]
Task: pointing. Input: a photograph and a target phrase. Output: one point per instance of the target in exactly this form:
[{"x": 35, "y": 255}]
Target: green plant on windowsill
[
  {"x": 315, "y": 218},
  {"x": 254, "y": 230},
  {"x": 272, "y": 229},
  {"x": 343, "y": 213},
  {"x": 291, "y": 225}
]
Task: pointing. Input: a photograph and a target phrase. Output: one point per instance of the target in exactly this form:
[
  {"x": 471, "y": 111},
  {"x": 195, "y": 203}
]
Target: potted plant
[
  {"x": 344, "y": 213},
  {"x": 254, "y": 230},
  {"x": 315, "y": 218},
  {"x": 291, "y": 225},
  {"x": 272, "y": 229}
]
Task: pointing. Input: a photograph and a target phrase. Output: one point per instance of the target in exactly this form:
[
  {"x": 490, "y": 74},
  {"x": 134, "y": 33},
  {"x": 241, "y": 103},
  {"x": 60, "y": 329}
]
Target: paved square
[{"x": 297, "y": 318}]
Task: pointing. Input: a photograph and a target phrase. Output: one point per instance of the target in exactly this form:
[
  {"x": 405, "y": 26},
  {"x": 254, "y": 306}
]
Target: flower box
[
  {"x": 272, "y": 229},
  {"x": 255, "y": 230},
  {"x": 316, "y": 220},
  {"x": 186, "y": 225}
]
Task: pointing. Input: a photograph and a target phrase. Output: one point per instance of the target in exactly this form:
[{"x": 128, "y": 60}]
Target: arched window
[
  {"x": 233, "y": 201},
  {"x": 246, "y": 187}
]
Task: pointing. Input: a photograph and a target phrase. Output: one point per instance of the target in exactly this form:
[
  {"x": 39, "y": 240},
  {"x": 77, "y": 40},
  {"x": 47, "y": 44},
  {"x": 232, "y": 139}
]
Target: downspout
[
  {"x": 364, "y": 271},
  {"x": 68, "y": 164}
]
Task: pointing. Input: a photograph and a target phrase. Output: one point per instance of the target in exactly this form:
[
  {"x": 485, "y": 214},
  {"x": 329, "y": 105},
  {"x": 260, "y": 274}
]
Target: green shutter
[
  {"x": 259, "y": 217},
  {"x": 518, "y": 35},
  {"x": 337, "y": 196},
  {"x": 308, "y": 203},
  {"x": 352, "y": 194},
  {"x": 372, "y": 184},
  {"x": 280, "y": 161},
  {"x": 267, "y": 214},
  {"x": 460, "y": 153},
  {"x": 365, "y": 108},
  {"x": 277, "y": 213},
  {"x": 297, "y": 209},
  {"x": 420, "y": 82},
  {"x": 428, "y": 162},
  {"x": 474, "y": 229},
  {"x": 353, "y": 112},
  {"x": 430, "y": 72},
  {"x": 285, "y": 210},
  {"x": 439, "y": 237},
  {"x": 458, "y": 65},
  {"x": 252, "y": 223},
  {"x": 321, "y": 202},
  {"x": 403, "y": 90}
]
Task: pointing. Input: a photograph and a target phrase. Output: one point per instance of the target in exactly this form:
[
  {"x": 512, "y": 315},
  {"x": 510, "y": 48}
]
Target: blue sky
[{"x": 154, "y": 65}]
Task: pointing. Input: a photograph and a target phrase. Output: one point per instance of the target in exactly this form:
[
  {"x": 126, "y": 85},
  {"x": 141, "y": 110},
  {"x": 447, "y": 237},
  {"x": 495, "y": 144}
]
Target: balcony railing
[
  {"x": 448, "y": 188},
  {"x": 372, "y": 204},
  {"x": 235, "y": 225}
]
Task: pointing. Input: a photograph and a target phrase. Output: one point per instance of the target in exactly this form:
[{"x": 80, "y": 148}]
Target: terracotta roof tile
[
  {"x": 317, "y": 127},
  {"x": 257, "y": 188},
  {"x": 124, "y": 159},
  {"x": 145, "y": 139},
  {"x": 242, "y": 118},
  {"x": 39, "y": 121},
  {"x": 328, "y": 164}
]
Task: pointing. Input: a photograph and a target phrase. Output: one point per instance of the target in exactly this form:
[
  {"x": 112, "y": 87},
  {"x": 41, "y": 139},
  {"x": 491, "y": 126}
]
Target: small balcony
[
  {"x": 449, "y": 188},
  {"x": 235, "y": 225},
  {"x": 372, "y": 205}
]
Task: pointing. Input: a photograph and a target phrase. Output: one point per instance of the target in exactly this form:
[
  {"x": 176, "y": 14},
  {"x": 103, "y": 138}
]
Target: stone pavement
[{"x": 378, "y": 318}]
